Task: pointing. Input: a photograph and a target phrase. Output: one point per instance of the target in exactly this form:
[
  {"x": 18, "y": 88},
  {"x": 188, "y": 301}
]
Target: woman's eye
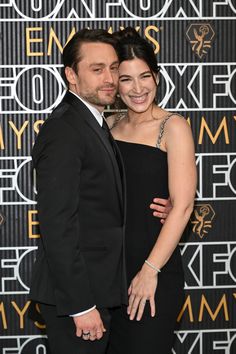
[{"x": 123, "y": 80}]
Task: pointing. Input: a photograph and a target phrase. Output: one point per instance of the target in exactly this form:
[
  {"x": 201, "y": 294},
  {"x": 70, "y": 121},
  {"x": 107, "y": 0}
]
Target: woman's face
[{"x": 137, "y": 87}]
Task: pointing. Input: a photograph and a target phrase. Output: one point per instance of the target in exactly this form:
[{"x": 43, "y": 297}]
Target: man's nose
[{"x": 109, "y": 77}]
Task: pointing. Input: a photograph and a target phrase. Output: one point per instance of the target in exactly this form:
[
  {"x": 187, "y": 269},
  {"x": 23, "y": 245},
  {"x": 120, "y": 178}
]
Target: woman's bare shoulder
[
  {"x": 113, "y": 120},
  {"x": 172, "y": 120},
  {"x": 176, "y": 121},
  {"x": 177, "y": 129}
]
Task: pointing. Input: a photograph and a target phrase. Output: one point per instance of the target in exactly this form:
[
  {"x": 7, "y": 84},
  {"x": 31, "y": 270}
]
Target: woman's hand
[{"x": 142, "y": 289}]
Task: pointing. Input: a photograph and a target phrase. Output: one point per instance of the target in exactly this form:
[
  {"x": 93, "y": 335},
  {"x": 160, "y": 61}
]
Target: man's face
[{"x": 96, "y": 80}]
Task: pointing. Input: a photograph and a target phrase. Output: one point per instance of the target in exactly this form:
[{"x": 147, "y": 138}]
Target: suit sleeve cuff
[{"x": 83, "y": 312}]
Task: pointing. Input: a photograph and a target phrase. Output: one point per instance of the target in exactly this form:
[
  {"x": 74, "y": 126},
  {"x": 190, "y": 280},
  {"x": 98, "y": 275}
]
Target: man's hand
[
  {"x": 161, "y": 208},
  {"x": 89, "y": 326}
]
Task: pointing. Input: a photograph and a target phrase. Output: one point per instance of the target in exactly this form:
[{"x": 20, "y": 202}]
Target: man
[{"x": 80, "y": 270}]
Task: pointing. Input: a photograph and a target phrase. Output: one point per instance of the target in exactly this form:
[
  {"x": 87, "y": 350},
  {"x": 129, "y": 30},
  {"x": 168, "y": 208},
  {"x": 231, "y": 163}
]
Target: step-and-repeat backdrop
[{"x": 194, "y": 41}]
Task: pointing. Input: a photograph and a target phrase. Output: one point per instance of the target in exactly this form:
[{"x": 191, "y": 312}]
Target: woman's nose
[{"x": 137, "y": 87}]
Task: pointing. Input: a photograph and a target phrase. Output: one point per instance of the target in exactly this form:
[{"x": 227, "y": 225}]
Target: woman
[{"x": 158, "y": 153}]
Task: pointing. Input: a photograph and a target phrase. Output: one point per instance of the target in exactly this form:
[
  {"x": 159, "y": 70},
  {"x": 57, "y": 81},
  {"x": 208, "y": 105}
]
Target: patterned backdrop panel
[{"x": 194, "y": 41}]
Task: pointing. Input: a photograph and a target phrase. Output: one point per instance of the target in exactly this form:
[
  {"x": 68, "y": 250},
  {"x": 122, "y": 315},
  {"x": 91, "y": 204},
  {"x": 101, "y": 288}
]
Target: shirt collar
[{"x": 98, "y": 116}]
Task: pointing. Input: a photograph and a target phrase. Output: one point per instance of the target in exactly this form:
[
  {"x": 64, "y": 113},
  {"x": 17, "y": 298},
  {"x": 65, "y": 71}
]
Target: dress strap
[
  {"x": 162, "y": 127},
  {"x": 117, "y": 118}
]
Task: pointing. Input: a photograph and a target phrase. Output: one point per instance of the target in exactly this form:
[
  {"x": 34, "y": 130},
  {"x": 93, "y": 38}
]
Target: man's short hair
[{"x": 71, "y": 52}]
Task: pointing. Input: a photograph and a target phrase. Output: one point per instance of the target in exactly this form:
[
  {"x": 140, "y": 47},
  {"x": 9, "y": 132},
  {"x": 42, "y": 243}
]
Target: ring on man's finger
[
  {"x": 144, "y": 301},
  {"x": 86, "y": 337},
  {"x": 86, "y": 334}
]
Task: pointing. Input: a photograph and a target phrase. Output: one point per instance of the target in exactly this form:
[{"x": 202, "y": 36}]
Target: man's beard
[{"x": 93, "y": 98}]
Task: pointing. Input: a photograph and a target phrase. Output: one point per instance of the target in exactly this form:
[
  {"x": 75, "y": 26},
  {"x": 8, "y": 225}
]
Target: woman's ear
[
  {"x": 70, "y": 75},
  {"x": 157, "y": 79}
]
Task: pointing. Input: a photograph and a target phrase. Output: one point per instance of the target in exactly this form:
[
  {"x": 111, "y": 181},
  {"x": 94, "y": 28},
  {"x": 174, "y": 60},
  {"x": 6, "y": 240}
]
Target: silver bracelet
[{"x": 152, "y": 266}]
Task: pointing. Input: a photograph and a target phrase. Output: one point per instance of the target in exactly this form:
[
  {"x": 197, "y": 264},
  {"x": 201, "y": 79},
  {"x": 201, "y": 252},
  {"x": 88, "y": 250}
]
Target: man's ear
[{"x": 70, "y": 75}]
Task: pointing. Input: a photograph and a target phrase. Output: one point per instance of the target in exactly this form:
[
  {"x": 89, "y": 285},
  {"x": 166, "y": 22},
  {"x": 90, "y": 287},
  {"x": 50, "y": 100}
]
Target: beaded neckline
[{"x": 122, "y": 115}]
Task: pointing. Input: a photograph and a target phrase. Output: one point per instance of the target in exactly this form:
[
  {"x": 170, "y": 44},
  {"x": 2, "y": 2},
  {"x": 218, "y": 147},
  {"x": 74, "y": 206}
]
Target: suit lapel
[
  {"x": 123, "y": 177},
  {"x": 92, "y": 122},
  {"x": 98, "y": 130}
]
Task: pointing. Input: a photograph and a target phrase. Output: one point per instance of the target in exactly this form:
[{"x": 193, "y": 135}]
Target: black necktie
[
  {"x": 105, "y": 127},
  {"x": 108, "y": 135}
]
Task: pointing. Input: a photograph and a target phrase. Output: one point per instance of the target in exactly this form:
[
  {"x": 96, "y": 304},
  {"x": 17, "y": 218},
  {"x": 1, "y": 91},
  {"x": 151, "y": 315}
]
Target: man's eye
[
  {"x": 115, "y": 68},
  {"x": 97, "y": 70}
]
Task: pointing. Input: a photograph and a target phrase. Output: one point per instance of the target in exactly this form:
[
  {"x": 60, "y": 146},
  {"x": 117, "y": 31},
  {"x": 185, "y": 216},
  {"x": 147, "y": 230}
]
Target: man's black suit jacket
[{"x": 80, "y": 261}]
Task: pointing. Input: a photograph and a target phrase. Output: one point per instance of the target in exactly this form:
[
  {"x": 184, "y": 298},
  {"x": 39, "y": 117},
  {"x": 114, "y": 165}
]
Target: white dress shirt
[{"x": 99, "y": 117}]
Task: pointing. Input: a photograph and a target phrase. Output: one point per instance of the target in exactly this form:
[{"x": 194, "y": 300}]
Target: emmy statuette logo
[
  {"x": 201, "y": 219},
  {"x": 200, "y": 36}
]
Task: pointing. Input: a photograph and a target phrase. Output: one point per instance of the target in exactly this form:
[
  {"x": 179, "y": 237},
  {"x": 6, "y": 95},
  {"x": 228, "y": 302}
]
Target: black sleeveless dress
[{"x": 147, "y": 177}]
